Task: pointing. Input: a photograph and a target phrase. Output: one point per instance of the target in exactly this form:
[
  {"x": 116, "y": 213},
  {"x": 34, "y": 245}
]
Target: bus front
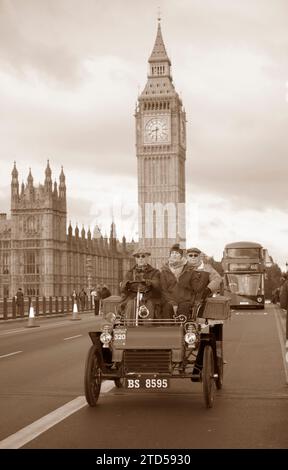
[{"x": 244, "y": 275}]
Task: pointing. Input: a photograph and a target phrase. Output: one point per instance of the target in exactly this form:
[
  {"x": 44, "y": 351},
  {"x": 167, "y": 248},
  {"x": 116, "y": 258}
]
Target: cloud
[{"x": 69, "y": 77}]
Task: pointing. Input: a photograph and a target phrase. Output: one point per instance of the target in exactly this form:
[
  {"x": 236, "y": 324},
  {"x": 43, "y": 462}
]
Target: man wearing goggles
[{"x": 195, "y": 262}]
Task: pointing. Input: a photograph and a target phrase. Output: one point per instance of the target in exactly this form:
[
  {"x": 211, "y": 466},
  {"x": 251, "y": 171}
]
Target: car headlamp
[
  {"x": 190, "y": 338},
  {"x": 105, "y": 338}
]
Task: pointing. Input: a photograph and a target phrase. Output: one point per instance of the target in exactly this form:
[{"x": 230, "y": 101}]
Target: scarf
[{"x": 176, "y": 267}]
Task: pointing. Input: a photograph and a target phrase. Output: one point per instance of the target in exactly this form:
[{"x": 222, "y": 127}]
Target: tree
[{"x": 272, "y": 279}]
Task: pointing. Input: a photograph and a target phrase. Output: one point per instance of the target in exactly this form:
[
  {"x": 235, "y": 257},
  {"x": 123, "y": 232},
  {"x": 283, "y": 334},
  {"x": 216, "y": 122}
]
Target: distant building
[
  {"x": 37, "y": 253},
  {"x": 161, "y": 154}
]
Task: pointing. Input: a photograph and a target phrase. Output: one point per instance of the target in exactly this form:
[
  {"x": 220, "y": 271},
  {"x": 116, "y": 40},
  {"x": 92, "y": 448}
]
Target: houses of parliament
[{"x": 39, "y": 254}]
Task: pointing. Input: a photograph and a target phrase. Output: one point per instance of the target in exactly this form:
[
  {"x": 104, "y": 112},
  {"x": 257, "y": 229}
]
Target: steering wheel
[{"x": 135, "y": 286}]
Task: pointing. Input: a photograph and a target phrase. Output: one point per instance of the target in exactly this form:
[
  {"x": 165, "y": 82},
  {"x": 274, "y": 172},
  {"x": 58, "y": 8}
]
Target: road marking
[
  {"x": 72, "y": 337},
  {"x": 11, "y": 354},
  {"x": 30, "y": 432}
]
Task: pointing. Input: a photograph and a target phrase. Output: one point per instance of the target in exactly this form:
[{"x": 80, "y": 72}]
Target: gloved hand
[{"x": 207, "y": 293}]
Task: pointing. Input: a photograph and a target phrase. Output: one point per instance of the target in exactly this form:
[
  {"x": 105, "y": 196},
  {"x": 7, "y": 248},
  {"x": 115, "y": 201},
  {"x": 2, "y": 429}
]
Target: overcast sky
[{"x": 70, "y": 74}]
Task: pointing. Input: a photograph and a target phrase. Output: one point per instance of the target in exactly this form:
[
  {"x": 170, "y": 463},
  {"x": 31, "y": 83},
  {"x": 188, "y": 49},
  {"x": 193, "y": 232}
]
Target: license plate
[
  {"x": 244, "y": 303},
  {"x": 147, "y": 383}
]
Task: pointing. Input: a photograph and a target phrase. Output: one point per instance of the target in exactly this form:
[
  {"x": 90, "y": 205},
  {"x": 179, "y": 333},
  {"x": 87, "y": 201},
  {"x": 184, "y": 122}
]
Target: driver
[{"x": 143, "y": 272}]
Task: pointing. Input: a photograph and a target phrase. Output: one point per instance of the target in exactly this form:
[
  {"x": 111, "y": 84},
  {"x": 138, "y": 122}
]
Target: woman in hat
[
  {"x": 177, "y": 284},
  {"x": 143, "y": 272}
]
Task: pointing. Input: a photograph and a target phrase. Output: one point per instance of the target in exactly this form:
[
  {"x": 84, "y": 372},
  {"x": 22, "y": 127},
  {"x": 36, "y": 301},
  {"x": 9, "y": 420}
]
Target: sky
[{"x": 70, "y": 75}]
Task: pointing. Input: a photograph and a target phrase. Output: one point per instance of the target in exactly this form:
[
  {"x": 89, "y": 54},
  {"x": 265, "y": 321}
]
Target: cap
[
  {"x": 141, "y": 251},
  {"x": 176, "y": 247},
  {"x": 193, "y": 250}
]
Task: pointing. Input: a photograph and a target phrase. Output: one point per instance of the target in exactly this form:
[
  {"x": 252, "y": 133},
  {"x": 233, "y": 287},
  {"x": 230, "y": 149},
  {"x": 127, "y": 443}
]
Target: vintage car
[{"x": 144, "y": 352}]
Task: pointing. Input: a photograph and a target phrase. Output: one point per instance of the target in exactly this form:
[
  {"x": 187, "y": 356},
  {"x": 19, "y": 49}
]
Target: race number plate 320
[{"x": 146, "y": 383}]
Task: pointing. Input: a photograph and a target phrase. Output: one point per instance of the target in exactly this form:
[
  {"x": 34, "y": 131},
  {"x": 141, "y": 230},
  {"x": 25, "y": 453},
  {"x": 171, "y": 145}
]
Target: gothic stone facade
[
  {"x": 38, "y": 255},
  {"x": 161, "y": 155}
]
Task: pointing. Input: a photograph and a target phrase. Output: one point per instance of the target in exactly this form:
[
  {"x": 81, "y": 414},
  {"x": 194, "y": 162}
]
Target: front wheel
[
  {"x": 92, "y": 380},
  {"x": 208, "y": 376}
]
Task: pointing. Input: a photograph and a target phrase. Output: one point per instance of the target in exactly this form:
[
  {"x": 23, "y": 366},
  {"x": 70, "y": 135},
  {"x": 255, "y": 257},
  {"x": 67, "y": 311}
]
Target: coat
[
  {"x": 182, "y": 290},
  {"x": 147, "y": 274},
  {"x": 214, "y": 280}
]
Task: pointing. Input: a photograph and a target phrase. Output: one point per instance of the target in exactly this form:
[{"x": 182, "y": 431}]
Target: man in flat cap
[
  {"x": 210, "y": 279},
  {"x": 150, "y": 277}
]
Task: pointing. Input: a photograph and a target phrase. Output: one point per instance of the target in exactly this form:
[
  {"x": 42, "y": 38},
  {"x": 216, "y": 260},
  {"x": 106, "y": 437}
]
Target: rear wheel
[
  {"x": 220, "y": 364},
  {"x": 219, "y": 380},
  {"x": 92, "y": 380},
  {"x": 208, "y": 376}
]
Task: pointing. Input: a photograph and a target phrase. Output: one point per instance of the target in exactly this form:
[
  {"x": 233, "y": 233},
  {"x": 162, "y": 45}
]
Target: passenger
[
  {"x": 144, "y": 272},
  {"x": 178, "y": 284},
  {"x": 284, "y": 302},
  {"x": 211, "y": 281}
]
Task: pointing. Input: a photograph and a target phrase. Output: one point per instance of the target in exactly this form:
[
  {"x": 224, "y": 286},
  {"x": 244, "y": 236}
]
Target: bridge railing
[{"x": 9, "y": 308}]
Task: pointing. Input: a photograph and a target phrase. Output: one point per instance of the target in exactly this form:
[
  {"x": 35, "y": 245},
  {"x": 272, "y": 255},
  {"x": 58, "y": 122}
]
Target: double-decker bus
[{"x": 244, "y": 266}]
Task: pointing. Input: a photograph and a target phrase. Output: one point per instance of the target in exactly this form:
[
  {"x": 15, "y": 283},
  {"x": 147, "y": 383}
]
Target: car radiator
[{"x": 150, "y": 361}]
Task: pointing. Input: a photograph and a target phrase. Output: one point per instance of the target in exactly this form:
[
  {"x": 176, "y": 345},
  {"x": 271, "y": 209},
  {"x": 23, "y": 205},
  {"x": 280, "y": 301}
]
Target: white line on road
[
  {"x": 72, "y": 337},
  {"x": 11, "y": 354},
  {"x": 30, "y": 432}
]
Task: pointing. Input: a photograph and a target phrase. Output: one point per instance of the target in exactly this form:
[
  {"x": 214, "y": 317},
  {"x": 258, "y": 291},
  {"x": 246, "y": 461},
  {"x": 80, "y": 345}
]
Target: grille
[{"x": 147, "y": 361}]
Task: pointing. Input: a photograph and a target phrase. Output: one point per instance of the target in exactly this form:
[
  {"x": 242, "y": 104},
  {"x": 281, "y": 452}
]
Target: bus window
[
  {"x": 244, "y": 284},
  {"x": 243, "y": 252}
]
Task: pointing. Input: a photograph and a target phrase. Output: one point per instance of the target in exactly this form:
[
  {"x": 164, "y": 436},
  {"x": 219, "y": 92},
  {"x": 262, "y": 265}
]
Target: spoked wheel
[
  {"x": 208, "y": 376},
  {"x": 220, "y": 371},
  {"x": 119, "y": 383},
  {"x": 92, "y": 381}
]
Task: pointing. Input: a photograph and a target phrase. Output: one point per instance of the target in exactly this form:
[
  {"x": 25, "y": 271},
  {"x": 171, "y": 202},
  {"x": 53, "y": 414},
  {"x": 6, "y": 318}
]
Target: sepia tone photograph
[{"x": 143, "y": 227}]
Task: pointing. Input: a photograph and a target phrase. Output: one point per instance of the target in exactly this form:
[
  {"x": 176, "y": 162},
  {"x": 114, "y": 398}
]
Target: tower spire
[
  {"x": 159, "y": 53},
  {"x": 14, "y": 184},
  {"x": 48, "y": 179}
]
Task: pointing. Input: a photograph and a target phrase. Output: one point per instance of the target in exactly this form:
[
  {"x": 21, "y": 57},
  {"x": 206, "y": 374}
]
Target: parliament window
[{"x": 31, "y": 263}]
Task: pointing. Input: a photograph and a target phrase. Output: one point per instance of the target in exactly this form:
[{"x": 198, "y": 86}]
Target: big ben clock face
[{"x": 157, "y": 130}]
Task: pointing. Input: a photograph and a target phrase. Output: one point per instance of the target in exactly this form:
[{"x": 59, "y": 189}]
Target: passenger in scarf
[{"x": 178, "y": 284}]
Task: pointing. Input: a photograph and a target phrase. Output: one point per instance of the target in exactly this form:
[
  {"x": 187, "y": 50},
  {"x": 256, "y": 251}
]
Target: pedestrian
[
  {"x": 19, "y": 298},
  {"x": 102, "y": 292},
  {"x": 83, "y": 298},
  {"x": 284, "y": 303}
]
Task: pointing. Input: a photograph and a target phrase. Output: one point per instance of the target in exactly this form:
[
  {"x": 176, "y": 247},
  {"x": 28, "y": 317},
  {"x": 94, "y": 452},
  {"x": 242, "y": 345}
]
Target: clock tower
[{"x": 161, "y": 154}]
